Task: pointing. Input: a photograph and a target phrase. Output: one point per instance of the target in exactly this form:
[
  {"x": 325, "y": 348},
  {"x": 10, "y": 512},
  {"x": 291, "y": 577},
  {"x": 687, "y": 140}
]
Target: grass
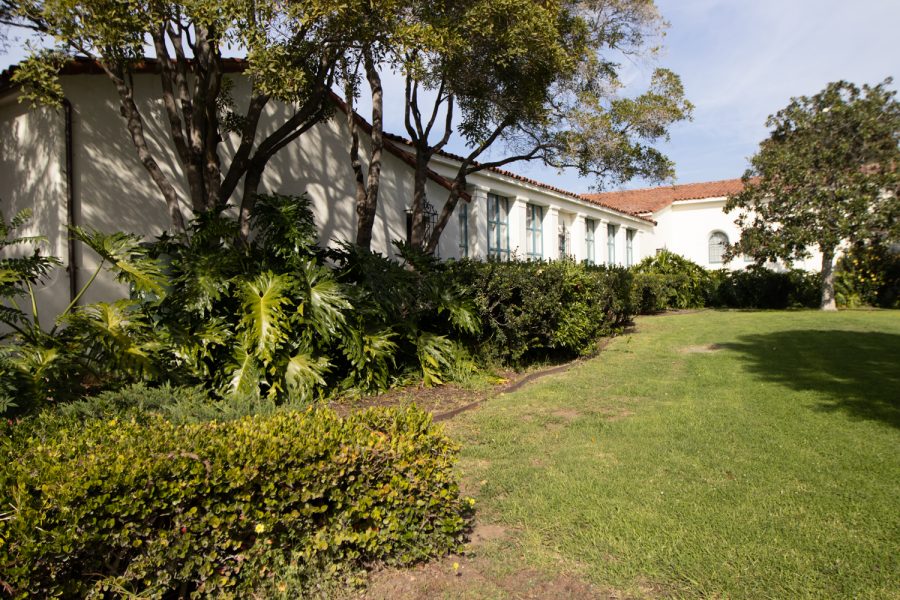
[{"x": 713, "y": 454}]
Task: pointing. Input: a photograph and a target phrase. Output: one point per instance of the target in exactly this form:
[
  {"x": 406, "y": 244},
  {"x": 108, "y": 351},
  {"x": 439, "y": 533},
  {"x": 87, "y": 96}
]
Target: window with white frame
[
  {"x": 498, "y": 227},
  {"x": 629, "y": 247},
  {"x": 463, "y": 210},
  {"x": 564, "y": 240},
  {"x": 610, "y": 244},
  {"x": 718, "y": 241},
  {"x": 589, "y": 227},
  {"x": 534, "y": 231}
]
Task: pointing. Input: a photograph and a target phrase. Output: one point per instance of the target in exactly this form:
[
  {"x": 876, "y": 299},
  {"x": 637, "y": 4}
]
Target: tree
[
  {"x": 541, "y": 80},
  {"x": 293, "y": 50},
  {"x": 827, "y": 174}
]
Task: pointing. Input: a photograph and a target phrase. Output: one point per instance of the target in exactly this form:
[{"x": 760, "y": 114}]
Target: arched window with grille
[{"x": 718, "y": 241}]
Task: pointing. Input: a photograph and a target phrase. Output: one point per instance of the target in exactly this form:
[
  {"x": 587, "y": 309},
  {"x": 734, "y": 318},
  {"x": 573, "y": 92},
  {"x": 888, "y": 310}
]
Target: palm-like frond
[
  {"x": 325, "y": 302},
  {"x": 435, "y": 354},
  {"x": 264, "y": 321},
  {"x": 303, "y": 374},
  {"x": 371, "y": 358},
  {"x": 114, "y": 337},
  {"x": 128, "y": 259},
  {"x": 244, "y": 373},
  {"x": 463, "y": 315}
]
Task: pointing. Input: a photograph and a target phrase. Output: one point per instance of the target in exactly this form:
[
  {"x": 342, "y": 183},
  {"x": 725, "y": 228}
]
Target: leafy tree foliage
[
  {"x": 539, "y": 79},
  {"x": 827, "y": 174},
  {"x": 293, "y": 50}
]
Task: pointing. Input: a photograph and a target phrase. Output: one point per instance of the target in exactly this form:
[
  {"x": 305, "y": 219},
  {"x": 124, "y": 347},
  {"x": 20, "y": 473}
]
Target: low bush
[
  {"x": 532, "y": 310},
  {"x": 668, "y": 280},
  {"x": 759, "y": 287},
  {"x": 118, "y": 507},
  {"x": 869, "y": 274}
]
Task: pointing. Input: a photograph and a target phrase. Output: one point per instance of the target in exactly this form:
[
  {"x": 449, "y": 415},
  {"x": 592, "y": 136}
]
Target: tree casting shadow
[{"x": 858, "y": 371}]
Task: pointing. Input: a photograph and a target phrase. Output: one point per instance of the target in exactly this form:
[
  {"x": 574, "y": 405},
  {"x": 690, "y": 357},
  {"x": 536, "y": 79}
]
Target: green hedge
[
  {"x": 531, "y": 310},
  {"x": 120, "y": 506},
  {"x": 758, "y": 287},
  {"x": 668, "y": 280}
]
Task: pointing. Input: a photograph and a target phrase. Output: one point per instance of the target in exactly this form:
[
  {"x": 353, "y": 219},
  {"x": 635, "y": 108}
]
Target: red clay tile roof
[{"x": 650, "y": 200}]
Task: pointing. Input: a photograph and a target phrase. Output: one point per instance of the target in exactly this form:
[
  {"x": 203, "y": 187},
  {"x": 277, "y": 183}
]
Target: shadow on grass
[{"x": 858, "y": 371}]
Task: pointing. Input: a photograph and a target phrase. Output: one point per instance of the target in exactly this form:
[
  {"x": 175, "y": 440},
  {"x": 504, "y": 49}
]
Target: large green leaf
[
  {"x": 264, "y": 319},
  {"x": 128, "y": 259},
  {"x": 304, "y": 374},
  {"x": 325, "y": 301}
]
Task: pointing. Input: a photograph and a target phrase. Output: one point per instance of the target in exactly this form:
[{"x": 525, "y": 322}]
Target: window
[
  {"x": 717, "y": 243},
  {"x": 589, "y": 226},
  {"x": 534, "y": 237},
  {"x": 498, "y": 227},
  {"x": 463, "y": 210},
  {"x": 629, "y": 247},
  {"x": 563, "y": 240},
  {"x": 611, "y": 244}
]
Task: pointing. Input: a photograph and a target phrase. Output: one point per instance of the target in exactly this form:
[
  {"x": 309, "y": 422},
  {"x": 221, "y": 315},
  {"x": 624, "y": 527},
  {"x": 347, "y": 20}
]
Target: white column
[
  {"x": 639, "y": 246},
  {"x": 478, "y": 216},
  {"x": 551, "y": 234},
  {"x": 578, "y": 238},
  {"x": 603, "y": 241},
  {"x": 517, "y": 223}
]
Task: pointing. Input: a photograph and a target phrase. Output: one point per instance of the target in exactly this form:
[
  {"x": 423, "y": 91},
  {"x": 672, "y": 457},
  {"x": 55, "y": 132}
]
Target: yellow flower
[{"x": 260, "y": 528}]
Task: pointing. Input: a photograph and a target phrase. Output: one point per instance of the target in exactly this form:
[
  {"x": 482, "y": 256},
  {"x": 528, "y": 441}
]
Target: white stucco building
[
  {"x": 690, "y": 221},
  {"x": 76, "y": 165}
]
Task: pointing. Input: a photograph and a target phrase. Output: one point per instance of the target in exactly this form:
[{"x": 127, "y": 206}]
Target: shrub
[
  {"x": 668, "y": 280},
  {"x": 869, "y": 274},
  {"x": 122, "y": 507},
  {"x": 531, "y": 310},
  {"x": 759, "y": 287}
]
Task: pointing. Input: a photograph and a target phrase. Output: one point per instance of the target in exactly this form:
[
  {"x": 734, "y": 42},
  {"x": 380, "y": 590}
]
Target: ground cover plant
[
  {"x": 711, "y": 454},
  {"x": 139, "y": 505}
]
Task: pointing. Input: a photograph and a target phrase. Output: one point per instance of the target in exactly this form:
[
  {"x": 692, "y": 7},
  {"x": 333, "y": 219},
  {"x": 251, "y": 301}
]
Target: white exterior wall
[
  {"x": 685, "y": 227},
  {"x": 32, "y": 175},
  {"x": 113, "y": 191}
]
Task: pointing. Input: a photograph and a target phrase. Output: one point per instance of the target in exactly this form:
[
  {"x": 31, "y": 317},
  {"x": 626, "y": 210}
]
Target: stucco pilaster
[
  {"x": 517, "y": 223},
  {"x": 478, "y": 222}
]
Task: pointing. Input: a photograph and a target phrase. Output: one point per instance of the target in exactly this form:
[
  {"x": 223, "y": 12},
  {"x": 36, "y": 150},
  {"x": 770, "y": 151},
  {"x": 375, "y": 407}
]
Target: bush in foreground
[{"x": 144, "y": 506}]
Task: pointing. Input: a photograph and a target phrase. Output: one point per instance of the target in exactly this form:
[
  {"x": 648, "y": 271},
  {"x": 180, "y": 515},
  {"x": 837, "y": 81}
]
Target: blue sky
[{"x": 740, "y": 60}]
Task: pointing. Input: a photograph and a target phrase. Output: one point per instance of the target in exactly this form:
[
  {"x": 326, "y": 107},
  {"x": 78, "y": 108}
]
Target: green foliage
[
  {"x": 155, "y": 509},
  {"x": 531, "y": 310},
  {"x": 275, "y": 318},
  {"x": 759, "y": 287},
  {"x": 869, "y": 274},
  {"x": 668, "y": 280},
  {"x": 827, "y": 174}
]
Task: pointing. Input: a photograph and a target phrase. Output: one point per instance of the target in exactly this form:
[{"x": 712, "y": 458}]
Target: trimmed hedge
[
  {"x": 123, "y": 507},
  {"x": 531, "y": 310},
  {"x": 758, "y": 287}
]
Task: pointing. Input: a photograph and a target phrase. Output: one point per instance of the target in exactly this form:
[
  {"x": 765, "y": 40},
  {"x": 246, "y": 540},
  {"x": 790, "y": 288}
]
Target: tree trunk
[
  {"x": 418, "y": 240},
  {"x": 828, "y": 302},
  {"x": 367, "y": 203}
]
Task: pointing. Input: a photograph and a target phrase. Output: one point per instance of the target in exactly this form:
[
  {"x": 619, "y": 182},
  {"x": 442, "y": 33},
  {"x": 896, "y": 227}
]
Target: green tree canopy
[
  {"x": 292, "y": 47},
  {"x": 828, "y": 174},
  {"x": 540, "y": 80}
]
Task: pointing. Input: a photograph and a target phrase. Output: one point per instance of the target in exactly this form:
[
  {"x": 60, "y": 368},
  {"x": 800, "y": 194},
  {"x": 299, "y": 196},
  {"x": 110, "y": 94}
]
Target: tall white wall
[
  {"x": 113, "y": 191},
  {"x": 32, "y": 175}
]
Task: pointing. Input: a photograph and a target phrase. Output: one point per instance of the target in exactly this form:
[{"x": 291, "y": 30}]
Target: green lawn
[{"x": 712, "y": 454}]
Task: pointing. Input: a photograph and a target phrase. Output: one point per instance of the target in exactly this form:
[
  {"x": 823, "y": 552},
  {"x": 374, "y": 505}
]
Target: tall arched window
[{"x": 717, "y": 243}]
